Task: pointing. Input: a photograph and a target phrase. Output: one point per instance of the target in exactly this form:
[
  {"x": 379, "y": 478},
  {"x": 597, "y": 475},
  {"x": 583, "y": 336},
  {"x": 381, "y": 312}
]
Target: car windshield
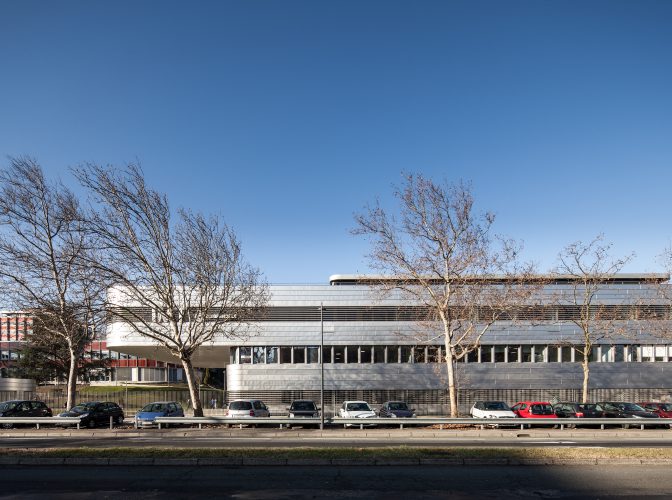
[
  {"x": 83, "y": 407},
  {"x": 398, "y": 406},
  {"x": 155, "y": 407},
  {"x": 358, "y": 407},
  {"x": 240, "y": 405},
  {"x": 588, "y": 407},
  {"x": 9, "y": 405},
  {"x": 303, "y": 406},
  {"x": 630, "y": 407},
  {"x": 496, "y": 405}
]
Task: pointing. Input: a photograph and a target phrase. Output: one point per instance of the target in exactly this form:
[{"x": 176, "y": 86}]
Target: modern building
[{"x": 373, "y": 349}]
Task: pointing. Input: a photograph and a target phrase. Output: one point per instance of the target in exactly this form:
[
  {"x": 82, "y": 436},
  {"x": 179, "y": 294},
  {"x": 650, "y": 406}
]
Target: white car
[
  {"x": 491, "y": 409},
  {"x": 356, "y": 409}
]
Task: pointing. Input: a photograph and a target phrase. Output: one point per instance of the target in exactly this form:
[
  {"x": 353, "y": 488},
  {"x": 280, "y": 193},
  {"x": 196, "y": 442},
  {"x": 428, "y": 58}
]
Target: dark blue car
[{"x": 396, "y": 409}]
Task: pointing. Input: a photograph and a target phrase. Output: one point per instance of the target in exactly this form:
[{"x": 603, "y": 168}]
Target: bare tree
[
  {"x": 41, "y": 244},
  {"x": 590, "y": 268},
  {"x": 180, "y": 284},
  {"x": 439, "y": 254}
]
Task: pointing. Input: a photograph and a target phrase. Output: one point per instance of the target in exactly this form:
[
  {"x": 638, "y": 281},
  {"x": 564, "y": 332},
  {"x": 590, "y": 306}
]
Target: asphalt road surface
[
  {"x": 288, "y": 439},
  {"x": 306, "y": 482}
]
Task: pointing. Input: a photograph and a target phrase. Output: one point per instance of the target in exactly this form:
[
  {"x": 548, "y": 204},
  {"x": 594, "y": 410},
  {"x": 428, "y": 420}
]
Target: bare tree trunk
[
  {"x": 586, "y": 376},
  {"x": 452, "y": 390},
  {"x": 193, "y": 390},
  {"x": 72, "y": 377}
]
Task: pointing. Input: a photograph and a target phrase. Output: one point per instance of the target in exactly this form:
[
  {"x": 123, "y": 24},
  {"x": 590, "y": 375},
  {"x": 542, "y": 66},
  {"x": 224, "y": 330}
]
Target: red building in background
[{"x": 16, "y": 326}]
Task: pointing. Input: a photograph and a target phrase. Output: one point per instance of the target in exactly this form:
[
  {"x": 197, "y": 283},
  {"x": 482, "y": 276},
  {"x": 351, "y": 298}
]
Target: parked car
[
  {"x": 247, "y": 408},
  {"x": 303, "y": 408},
  {"x": 617, "y": 409},
  {"x": 578, "y": 410},
  {"x": 356, "y": 409},
  {"x": 146, "y": 417},
  {"x": 96, "y": 413},
  {"x": 533, "y": 409},
  {"x": 491, "y": 409},
  {"x": 24, "y": 408},
  {"x": 663, "y": 410},
  {"x": 396, "y": 409}
]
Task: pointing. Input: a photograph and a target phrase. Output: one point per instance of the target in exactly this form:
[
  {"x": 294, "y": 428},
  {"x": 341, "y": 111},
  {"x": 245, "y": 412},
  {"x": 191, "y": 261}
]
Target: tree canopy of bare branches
[
  {"x": 42, "y": 241},
  {"x": 191, "y": 274},
  {"x": 441, "y": 254},
  {"x": 590, "y": 267}
]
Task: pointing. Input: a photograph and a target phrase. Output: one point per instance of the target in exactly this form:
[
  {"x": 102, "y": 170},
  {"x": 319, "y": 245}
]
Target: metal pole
[{"x": 321, "y": 366}]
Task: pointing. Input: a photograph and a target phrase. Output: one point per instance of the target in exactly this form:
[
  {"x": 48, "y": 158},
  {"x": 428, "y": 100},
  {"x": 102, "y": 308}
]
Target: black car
[
  {"x": 396, "y": 409},
  {"x": 24, "y": 408},
  {"x": 303, "y": 408},
  {"x": 615, "y": 409},
  {"x": 578, "y": 410},
  {"x": 96, "y": 413}
]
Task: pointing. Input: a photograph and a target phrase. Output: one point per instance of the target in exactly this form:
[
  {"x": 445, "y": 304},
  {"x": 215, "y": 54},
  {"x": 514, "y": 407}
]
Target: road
[
  {"x": 304, "y": 482},
  {"x": 264, "y": 438}
]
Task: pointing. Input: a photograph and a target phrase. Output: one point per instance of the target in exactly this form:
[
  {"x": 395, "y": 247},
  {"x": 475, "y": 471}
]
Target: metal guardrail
[
  {"x": 40, "y": 420},
  {"x": 523, "y": 423}
]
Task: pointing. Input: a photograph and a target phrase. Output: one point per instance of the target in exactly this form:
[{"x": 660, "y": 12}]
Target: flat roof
[{"x": 372, "y": 279}]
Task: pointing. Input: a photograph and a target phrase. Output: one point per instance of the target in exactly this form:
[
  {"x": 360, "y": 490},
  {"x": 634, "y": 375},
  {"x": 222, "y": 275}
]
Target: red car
[
  {"x": 663, "y": 410},
  {"x": 534, "y": 409}
]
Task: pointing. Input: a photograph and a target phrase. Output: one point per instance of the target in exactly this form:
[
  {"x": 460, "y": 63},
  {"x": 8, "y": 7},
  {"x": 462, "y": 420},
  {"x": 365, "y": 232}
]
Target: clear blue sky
[{"x": 288, "y": 116}]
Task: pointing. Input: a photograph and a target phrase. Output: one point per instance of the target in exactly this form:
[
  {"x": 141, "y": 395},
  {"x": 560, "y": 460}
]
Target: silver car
[{"x": 247, "y": 408}]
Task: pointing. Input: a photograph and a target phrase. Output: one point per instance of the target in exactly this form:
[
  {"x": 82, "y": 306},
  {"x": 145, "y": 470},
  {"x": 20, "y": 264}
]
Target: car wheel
[
  {"x": 120, "y": 420},
  {"x": 90, "y": 424},
  {"x": 7, "y": 426}
]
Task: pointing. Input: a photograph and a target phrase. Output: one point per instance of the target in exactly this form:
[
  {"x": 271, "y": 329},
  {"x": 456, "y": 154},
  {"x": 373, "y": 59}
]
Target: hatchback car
[
  {"x": 356, "y": 409},
  {"x": 533, "y": 409},
  {"x": 247, "y": 408},
  {"x": 303, "y": 408},
  {"x": 578, "y": 410},
  {"x": 147, "y": 416},
  {"x": 24, "y": 408},
  {"x": 617, "y": 409},
  {"x": 491, "y": 409},
  {"x": 96, "y": 413},
  {"x": 396, "y": 409}
]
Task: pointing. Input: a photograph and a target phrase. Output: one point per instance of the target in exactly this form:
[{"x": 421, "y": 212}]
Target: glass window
[
  {"x": 351, "y": 354},
  {"x": 365, "y": 354},
  {"x": 619, "y": 353},
  {"x": 669, "y": 353},
  {"x": 605, "y": 354},
  {"x": 258, "y": 355},
  {"x": 379, "y": 354},
  {"x": 285, "y": 355},
  {"x": 339, "y": 354},
  {"x": 527, "y": 354},
  {"x": 312, "y": 354},
  {"x": 393, "y": 354},
  {"x": 245, "y": 355},
  {"x": 419, "y": 354},
  {"x": 433, "y": 354},
  {"x": 538, "y": 356},
  {"x": 299, "y": 355},
  {"x": 633, "y": 354},
  {"x": 271, "y": 355},
  {"x": 486, "y": 354},
  {"x": 553, "y": 354},
  {"x": 578, "y": 353},
  {"x": 499, "y": 353},
  {"x": 472, "y": 356},
  {"x": 326, "y": 354},
  {"x": 566, "y": 353},
  {"x": 512, "y": 354},
  {"x": 594, "y": 354},
  {"x": 406, "y": 354},
  {"x": 659, "y": 353}
]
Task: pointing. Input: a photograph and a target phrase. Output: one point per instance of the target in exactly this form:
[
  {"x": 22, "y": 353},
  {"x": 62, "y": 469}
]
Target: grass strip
[{"x": 396, "y": 452}]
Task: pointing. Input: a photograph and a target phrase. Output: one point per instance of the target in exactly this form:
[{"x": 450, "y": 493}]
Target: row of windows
[
  {"x": 435, "y": 354},
  {"x": 552, "y": 313}
]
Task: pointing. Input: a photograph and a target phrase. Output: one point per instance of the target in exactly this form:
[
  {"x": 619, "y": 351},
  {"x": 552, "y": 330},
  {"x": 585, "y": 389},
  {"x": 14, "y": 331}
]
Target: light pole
[{"x": 321, "y": 366}]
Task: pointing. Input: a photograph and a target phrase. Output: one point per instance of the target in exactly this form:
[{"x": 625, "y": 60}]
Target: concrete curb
[{"x": 320, "y": 462}]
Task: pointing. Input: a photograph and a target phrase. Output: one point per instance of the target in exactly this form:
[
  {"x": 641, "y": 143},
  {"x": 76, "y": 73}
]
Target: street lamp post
[{"x": 321, "y": 366}]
